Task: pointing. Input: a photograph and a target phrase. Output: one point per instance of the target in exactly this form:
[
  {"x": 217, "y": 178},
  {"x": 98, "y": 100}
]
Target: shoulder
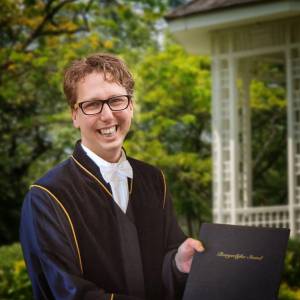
[
  {"x": 145, "y": 168},
  {"x": 58, "y": 174},
  {"x": 151, "y": 179},
  {"x": 46, "y": 194},
  {"x": 57, "y": 180},
  {"x": 148, "y": 174}
]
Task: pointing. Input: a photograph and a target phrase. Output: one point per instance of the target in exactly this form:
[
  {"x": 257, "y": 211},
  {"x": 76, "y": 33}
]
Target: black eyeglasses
[{"x": 93, "y": 107}]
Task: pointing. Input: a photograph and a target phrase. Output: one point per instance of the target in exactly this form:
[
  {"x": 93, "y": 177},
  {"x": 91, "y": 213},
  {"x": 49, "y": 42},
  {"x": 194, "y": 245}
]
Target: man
[{"x": 100, "y": 225}]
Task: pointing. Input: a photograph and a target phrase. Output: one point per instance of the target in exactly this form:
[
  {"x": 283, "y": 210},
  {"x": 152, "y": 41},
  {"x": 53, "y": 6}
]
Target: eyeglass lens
[{"x": 95, "y": 106}]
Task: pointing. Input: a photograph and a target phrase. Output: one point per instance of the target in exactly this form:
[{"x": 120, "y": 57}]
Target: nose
[{"x": 106, "y": 112}]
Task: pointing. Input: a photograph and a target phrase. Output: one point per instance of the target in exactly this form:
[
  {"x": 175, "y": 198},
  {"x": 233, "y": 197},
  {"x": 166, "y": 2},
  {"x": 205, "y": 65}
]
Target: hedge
[{"x": 15, "y": 283}]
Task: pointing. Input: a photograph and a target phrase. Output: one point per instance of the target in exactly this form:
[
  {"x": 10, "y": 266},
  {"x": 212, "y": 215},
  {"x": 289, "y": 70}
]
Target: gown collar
[{"x": 89, "y": 166}]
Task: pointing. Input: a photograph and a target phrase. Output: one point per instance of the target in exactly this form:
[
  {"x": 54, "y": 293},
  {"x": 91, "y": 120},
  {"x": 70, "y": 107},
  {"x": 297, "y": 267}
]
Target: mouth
[{"x": 109, "y": 131}]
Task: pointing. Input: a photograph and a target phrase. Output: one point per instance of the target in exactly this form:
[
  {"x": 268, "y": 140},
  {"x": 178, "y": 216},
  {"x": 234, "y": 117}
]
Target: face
[{"x": 103, "y": 133}]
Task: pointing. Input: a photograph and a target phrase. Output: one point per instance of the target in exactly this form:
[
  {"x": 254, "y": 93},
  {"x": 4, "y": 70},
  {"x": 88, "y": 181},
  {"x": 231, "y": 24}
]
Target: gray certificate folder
[{"x": 239, "y": 263}]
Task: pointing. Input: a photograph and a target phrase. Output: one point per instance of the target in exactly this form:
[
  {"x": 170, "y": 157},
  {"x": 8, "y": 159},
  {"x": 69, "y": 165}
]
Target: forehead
[
  {"x": 96, "y": 85},
  {"x": 98, "y": 76}
]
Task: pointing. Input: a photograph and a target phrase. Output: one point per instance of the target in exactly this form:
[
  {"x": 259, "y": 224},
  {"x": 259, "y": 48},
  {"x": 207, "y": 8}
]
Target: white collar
[
  {"x": 110, "y": 170},
  {"x": 100, "y": 161}
]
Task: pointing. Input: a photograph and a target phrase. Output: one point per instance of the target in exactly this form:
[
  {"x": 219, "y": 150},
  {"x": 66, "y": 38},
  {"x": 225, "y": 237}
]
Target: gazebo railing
[
  {"x": 266, "y": 216},
  {"x": 269, "y": 216}
]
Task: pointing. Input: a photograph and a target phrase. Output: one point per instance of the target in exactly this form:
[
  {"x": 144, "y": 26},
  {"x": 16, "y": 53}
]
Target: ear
[
  {"x": 131, "y": 107},
  {"x": 75, "y": 118}
]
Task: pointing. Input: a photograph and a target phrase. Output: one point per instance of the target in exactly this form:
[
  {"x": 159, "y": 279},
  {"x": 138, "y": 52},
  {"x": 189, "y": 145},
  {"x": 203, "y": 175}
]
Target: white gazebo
[{"x": 237, "y": 34}]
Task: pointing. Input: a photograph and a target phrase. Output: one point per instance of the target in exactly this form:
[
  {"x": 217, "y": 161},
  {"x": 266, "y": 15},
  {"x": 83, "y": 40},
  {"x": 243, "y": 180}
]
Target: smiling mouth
[{"x": 108, "y": 131}]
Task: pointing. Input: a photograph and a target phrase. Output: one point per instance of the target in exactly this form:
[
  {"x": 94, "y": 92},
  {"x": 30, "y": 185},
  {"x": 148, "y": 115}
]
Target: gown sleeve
[
  {"x": 174, "y": 281},
  {"x": 50, "y": 253}
]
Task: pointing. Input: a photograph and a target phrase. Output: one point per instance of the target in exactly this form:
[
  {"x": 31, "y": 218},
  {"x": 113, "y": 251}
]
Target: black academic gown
[{"x": 78, "y": 244}]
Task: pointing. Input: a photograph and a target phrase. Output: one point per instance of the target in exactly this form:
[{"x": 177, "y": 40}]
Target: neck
[{"x": 109, "y": 156}]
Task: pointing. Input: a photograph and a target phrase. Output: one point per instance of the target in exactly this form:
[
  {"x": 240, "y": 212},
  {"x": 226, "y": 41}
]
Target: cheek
[
  {"x": 90, "y": 124},
  {"x": 124, "y": 117},
  {"x": 85, "y": 124}
]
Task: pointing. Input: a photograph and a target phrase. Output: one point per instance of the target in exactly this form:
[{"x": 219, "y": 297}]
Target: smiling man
[{"x": 100, "y": 225}]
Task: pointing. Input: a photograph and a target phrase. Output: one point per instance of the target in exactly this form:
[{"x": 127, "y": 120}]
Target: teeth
[{"x": 108, "y": 130}]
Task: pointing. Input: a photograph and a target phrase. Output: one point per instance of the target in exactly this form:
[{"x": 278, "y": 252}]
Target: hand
[{"x": 185, "y": 254}]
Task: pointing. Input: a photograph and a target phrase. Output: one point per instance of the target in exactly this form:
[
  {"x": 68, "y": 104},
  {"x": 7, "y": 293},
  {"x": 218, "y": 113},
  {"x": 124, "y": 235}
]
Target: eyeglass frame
[{"x": 79, "y": 104}]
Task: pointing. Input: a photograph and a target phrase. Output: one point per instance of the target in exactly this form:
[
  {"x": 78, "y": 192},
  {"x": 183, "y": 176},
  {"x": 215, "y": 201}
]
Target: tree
[
  {"x": 172, "y": 128},
  {"x": 30, "y": 43},
  {"x": 267, "y": 93},
  {"x": 38, "y": 38}
]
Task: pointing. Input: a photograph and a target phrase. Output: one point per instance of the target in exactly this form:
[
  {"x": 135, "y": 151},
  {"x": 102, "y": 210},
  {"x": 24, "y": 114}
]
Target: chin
[{"x": 111, "y": 147}]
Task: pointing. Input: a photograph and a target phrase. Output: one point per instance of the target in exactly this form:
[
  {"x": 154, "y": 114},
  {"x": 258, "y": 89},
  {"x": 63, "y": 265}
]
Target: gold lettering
[
  {"x": 256, "y": 257},
  {"x": 239, "y": 256}
]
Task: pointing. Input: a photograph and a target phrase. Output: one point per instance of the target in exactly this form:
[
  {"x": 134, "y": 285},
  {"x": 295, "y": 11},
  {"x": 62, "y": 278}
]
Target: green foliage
[
  {"x": 128, "y": 25},
  {"x": 34, "y": 36},
  {"x": 269, "y": 130},
  {"x": 287, "y": 293},
  {"x": 14, "y": 280},
  {"x": 172, "y": 127},
  {"x": 38, "y": 39},
  {"x": 15, "y": 284},
  {"x": 290, "y": 287},
  {"x": 291, "y": 273}
]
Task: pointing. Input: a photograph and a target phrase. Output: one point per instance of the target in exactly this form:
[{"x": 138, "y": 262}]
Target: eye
[
  {"x": 117, "y": 101},
  {"x": 92, "y": 105}
]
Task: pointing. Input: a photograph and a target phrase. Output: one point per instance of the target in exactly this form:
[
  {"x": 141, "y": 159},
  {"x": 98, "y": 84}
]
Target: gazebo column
[
  {"x": 233, "y": 139},
  {"x": 225, "y": 128},
  {"x": 245, "y": 134},
  {"x": 293, "y": 82},
  {"x": 217, "y": 142},
  {"x": 221, "y": 142}
]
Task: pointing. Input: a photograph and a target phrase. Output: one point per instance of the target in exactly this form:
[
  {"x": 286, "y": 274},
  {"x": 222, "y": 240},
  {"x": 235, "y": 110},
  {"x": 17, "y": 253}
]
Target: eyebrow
[{"x": 98, "y": 99}]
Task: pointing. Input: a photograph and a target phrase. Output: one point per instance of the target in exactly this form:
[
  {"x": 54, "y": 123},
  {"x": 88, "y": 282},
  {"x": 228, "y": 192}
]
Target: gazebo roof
[
  {"x": 192, "y": 23},
  {"x": 202, "y": 6}
]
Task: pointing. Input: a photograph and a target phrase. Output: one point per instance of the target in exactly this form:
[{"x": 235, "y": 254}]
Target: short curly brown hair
[{"x": 112, "y": 68}]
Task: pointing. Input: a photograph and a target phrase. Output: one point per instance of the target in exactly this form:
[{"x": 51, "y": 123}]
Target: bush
[
  {"x": 291, "y": 274},
  {"x": 15, "y": 283},
  {"x": 290, "y": 287},
  {"x": 286, "y": 293},
  {"x": 14, "y": 280}
]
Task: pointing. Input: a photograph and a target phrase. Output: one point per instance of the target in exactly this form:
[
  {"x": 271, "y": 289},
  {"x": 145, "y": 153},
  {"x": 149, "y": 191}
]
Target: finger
[
  {"x": 195, "y": 244},
  {"x": 201, "y": 247}
]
